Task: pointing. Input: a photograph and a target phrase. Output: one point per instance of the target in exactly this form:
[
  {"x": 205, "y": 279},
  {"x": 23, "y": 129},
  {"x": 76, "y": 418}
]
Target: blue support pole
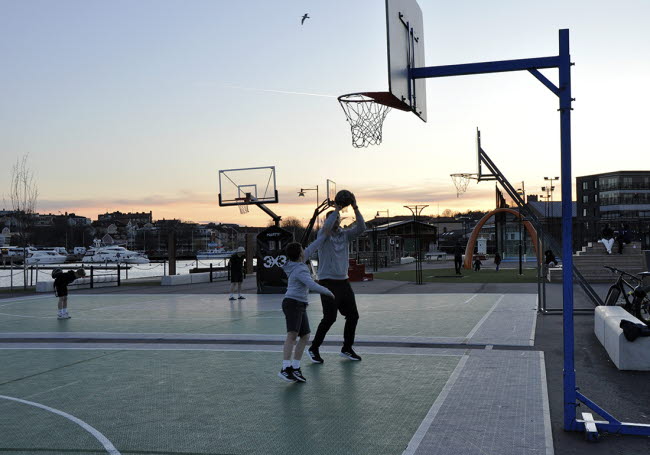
[{"x": 570, "y": 398}]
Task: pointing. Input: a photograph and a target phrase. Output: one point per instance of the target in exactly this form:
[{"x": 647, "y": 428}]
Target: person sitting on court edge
[
  {"x": 61, "y": 283},
  {"x": 333, "y": 263},
  {"x": 294, "y": 307},
  {"x": 607, "y": 238},
  {"x": 549, "y": 259}
]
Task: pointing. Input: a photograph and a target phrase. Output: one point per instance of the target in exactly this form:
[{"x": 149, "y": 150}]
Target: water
[{"x": 136, "y": 271}]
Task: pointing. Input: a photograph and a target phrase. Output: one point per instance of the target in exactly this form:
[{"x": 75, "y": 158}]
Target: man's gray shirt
[{"x": 333, "y": 253}]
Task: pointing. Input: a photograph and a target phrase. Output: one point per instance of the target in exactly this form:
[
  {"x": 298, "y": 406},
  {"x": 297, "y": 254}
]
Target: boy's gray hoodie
[
  {"x": 333, "y": 254},
  {"x": 300, "y": 280}
]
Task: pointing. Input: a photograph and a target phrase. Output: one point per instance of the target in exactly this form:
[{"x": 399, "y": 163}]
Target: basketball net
[
  {"x": 461, "y": 182},
  {"x": 366, "y": 118},
  {"x": 243, "y": 208}
]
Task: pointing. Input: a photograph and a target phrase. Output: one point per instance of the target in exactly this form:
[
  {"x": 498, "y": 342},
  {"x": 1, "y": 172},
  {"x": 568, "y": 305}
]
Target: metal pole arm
[
  {"x": 269, "y": 212},
  {"x": 501, "y": 66}
]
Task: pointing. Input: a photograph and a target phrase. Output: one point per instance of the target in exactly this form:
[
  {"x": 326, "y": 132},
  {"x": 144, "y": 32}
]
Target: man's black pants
[
  {"x": 343, "y": 302},
  {"x": 458, "y": 263}
]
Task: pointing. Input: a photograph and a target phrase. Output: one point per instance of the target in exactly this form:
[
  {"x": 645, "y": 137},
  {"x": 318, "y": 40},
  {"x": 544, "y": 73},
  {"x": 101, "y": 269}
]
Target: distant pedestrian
[
  {"x": 458, "y": 257},
  {"x": 477, "y": 264},
  {"x": 497, "y": 260},
  {"x": 236, "y": 273},
  {"x": 607, "y": 238},
  {"x": 624, "y": 236},
  {"x": 61, "y": 282}
]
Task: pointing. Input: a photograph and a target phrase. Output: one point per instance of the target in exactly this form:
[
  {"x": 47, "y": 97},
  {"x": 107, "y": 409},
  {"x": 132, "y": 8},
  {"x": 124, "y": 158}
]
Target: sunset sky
[{"x": 134, "y": 105}]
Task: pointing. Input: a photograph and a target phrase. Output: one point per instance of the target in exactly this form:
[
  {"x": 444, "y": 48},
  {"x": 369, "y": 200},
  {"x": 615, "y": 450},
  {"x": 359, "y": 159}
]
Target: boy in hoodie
[
  {"x": 294, "y": 307},
  {"x": 61, "y": 283}
]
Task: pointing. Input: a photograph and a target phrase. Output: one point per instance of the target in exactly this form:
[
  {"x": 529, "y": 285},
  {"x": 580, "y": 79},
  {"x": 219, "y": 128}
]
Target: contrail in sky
[{"x": 284, "y": 92}]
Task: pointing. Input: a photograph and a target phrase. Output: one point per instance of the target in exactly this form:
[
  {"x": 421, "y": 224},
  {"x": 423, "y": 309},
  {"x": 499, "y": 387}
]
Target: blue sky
[{"x": 135, "y": 105}]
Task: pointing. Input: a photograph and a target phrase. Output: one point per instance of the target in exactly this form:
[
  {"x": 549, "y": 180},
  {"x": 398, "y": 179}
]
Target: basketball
[{"x": 344, "y": 198}]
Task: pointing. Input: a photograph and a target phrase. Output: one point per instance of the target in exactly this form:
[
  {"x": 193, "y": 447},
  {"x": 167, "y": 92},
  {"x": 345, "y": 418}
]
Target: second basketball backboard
[{"x": 405, "y": 41}]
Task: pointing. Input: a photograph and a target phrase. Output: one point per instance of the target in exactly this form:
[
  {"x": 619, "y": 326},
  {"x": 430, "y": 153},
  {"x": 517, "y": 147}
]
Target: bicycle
[{"x": 630, "y": 294}]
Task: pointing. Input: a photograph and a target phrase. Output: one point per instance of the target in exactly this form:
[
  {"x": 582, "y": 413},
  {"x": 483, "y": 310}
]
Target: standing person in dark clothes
[
  {"x": 497, "y": 260},
  {"x": 624, "y": 236},
  {"x": 61, "y": 282},
  {"x": 236, "y": 273},
  {"x": 333, "y": 263},
  {"x": 477, "y": 264},
  {"x": 458, "y": 257}
]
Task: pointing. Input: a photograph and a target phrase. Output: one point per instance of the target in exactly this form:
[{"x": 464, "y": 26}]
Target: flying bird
[{"x": 305, "y": 17}]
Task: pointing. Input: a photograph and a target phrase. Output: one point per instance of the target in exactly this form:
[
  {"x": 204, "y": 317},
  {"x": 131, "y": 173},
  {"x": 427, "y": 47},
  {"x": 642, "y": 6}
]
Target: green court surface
[
  {"x": 213, "y": 402},
  {"x": 439, "y": 315},
  {"x": 485, "y": 275}
]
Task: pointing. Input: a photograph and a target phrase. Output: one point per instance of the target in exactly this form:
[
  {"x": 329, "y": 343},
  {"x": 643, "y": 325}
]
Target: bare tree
[{"x": 23, "y": 194}]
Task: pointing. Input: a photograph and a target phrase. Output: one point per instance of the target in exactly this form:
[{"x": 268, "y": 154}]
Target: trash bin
[{"x": 271, "y": 256}]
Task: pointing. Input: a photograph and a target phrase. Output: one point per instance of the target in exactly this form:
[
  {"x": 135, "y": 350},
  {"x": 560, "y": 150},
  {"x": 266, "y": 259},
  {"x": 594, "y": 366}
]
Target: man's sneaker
[
  {"x": 286, "y": 374},
  {"x": 298, "y": 375},
  {"x": 350, "y": 354},
  {"x": 64, "y": 316},
  {"x": 232, "y": 297},
  {"x": 241, "y": 297},
  {"x": 314, "y": 355}
]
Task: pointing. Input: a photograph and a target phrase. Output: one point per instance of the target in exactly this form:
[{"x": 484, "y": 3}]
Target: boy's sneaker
[
  {"x": 298, "y": 375},
  {"x": 286, "y": 374},
  {"x": 64, "y": 316},
  {"x": 232, "y": 297},
  {"x": 350, "y": 354},
  {"x": 314, "y": 355},
  {"x": 241, "y": 297}
]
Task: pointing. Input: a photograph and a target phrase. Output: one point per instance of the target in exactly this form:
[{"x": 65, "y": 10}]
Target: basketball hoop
[
  {"x": 243, "y": 203},
  {"x": 461, "y": 182},
  {"x": 365, "y": 112}
]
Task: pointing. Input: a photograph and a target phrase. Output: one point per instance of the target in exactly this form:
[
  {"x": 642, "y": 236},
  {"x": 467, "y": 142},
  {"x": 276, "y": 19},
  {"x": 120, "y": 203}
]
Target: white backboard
[{"x": 405, "y": 42}]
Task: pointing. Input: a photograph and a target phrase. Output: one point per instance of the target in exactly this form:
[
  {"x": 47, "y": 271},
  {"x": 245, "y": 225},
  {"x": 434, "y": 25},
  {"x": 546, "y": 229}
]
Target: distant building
[
  {"x": 617, "y": 198},
  {"x": 124, "y": 218}
]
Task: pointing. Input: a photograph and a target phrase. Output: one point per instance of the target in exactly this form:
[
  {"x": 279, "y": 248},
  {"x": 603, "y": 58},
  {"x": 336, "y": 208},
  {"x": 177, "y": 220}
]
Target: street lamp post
[
  {"x": 301, "y": 193},
  {"x": 522, "y": 192},
  {"x": 387, "y": 232},
  {"x": 550, "y": 188},
  {"x": 416, "y": 210}
]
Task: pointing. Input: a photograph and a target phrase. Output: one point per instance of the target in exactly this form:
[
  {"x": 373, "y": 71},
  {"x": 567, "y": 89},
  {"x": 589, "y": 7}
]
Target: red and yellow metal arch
[{"x": 469, "y": 251}]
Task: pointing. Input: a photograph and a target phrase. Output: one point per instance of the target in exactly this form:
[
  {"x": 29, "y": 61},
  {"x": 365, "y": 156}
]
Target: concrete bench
[
  {"x": 626, "y": 355},
  {"x": 98, "y": 282}
]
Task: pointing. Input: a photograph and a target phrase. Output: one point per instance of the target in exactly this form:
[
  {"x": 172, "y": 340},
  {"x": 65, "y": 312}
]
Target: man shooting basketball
[{"x": 333, "y": 260}]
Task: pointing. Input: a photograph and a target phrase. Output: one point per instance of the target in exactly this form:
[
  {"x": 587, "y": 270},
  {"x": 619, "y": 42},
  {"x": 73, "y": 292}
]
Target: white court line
[
  {"x": 545, "y": 408},
  {"x": 110, "y": 448},
  {"x": 484, "y": 318},
  {"x": 532, "y": 330},
  {"x": 416, "y": 440},
  {"x": 431, "y": 352},
  {"x": 22, "y": 299},
  {"x": 52, "y": 389}
]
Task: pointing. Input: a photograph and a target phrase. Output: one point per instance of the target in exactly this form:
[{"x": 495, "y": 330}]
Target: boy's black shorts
[
  {"x": 61, "y": 290},
  {"x": 295, "y": 313}
]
